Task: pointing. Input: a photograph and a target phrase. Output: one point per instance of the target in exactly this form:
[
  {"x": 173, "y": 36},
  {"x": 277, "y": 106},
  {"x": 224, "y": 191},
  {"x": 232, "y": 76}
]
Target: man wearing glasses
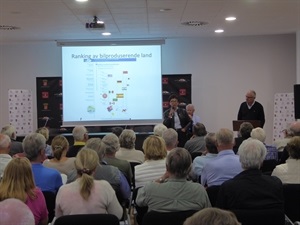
[{"x": 251, "y": 109}]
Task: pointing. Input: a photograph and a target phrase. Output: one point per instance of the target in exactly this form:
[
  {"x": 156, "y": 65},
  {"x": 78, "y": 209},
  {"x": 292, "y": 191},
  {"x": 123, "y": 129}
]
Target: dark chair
[
  {"x": 133, "y": 164},
  {"x": 212, "y": 193},
  {"x": 260, "y": 216},
  {"x": 50, "y": 202},
  {"x": 88, "y": 219},
  {"x": 268, "y": 166},
  {"x": 291, "y": 193},
  {"x": 167, "y": 218}
]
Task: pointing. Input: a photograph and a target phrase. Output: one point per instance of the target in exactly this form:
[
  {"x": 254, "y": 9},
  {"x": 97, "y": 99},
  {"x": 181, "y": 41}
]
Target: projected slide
[{"x": 116, "y": 85}]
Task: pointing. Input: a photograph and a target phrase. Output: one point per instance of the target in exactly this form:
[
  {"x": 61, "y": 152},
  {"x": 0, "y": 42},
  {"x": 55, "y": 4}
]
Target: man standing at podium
[{"x": 251, "y": 109}]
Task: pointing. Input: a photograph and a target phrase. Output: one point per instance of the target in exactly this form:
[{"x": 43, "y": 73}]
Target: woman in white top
[
  {"x": 127, "y": 149},
  {"x": 86, "y": 195},
  {"x": 155, "y": 161},
  {"x": 289, "y": 172},
  {"x": 63, "y": 164}
]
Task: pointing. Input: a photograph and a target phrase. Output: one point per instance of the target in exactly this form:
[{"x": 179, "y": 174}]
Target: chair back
[
  {"x": 132, "y": 165},
  {"x": 291, "y": 193},
  {"x": 50, "y": 202},
  {"x": 213, "y": 192},
  {"x": 88, "y": 219},
  {"x": 268, "y": 166},
  {"x": 195, "y": 154},
  {"x": 167, "y": 218},
  {"x": 260, "y": 216}
]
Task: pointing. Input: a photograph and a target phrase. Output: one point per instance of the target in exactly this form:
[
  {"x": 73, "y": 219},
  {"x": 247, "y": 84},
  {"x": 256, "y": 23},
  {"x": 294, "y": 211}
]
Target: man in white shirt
[{"x": 4, "y": 152}]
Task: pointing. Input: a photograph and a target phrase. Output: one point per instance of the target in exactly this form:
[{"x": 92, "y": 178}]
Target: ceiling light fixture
[
  {"x": 165, "y": 10},
  {"x": 219, "y": 31},
  {"x": 230, "y": 18},
  {"x": 194, "y": 23},
  {"x": 106, "y": 33},
  {"x": 81, "y": 0}
]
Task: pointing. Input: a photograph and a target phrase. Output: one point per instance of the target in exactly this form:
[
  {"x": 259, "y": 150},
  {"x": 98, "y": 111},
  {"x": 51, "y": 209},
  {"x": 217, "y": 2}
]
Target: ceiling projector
[{"x": 96, "y": 24}]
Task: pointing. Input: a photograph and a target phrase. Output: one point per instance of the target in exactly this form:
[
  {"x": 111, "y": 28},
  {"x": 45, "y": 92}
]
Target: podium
[{"x": 237, "y": 123}]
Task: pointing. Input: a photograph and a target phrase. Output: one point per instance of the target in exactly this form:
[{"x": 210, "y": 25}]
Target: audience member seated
[
  {"x": 259, "y": 134},
  {"x": 196, "y": 143},
  {"x": 251, "y": 189},
  {"x": 9, "y": 214},
  {"x": 111, "y": 174},
  {"x": 289, "y": 172},
  {"x": 244, "y": 134},
  {"x": 200, "y": 161},
  {"x": 63, "y": 164},
  {"x": 86, "y": 195},
  {"x": 155, "y": 161},
  {"x": 282, "y": 142},
  {"x": 45, "y": 132},
  {"x": 295, "y": 131},
  {"x": 80, "y": 135},
  {"x": 212, "y": 216},
  {"x": 171, "y": 139},
  {"x": 111, "y": 145},
  {"x": 172, "y": 192},
  {"x": 127, "y": 149},
  {"x": 159, "y": 129},
  {"x": 15, "y": 146},
  {"x": 17, "y": 182},
  {"x": 4, "y": 152},
  {"x": 226, "y": 165},
  {"x": 47, "y": 179},
  {"x": 117, "y": 131}
]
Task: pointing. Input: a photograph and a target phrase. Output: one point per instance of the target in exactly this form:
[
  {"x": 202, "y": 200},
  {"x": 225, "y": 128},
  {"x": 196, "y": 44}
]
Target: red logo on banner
[
  {"x": 165, "y": 104},
  {"x": 45, "y": 94},
  {"x": 182, "y": 92},
  {"x": 60, "y": 83},
  {"x": 45, "y": 82},
  {"x": 165, "y": 80}
]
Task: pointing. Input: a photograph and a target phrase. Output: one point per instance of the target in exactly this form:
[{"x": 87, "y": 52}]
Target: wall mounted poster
[{"x": 20, "y": 110}]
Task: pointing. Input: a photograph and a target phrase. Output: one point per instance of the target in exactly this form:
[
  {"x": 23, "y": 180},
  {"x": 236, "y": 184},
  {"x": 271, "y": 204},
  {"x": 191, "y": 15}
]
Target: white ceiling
[{"x": 49, "y": 20}]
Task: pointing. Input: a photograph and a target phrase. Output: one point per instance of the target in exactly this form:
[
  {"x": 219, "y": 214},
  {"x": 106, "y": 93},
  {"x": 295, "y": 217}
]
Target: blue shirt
[
  {"x": 47, "y": 179},
  {"x": 223, "y": 167},
  {"x": 199, "y": 162}
]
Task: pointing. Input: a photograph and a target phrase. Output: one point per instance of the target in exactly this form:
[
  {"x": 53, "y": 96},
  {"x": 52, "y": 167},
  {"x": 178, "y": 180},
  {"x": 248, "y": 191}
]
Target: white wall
[{"x": 222, "y": 69}]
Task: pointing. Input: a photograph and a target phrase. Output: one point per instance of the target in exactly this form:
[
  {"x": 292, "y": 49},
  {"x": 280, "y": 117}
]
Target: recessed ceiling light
[
  {"x": 106, "y": 33},
  {"x": 81, "y": 0},
  {"x": 219, "y": 31},
  {"x": 194, "y": 23},
  {"x": 164, "y": 10},
  {"x": 230, "y": 18}
]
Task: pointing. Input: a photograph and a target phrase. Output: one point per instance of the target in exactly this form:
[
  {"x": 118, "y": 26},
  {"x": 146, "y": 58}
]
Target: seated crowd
[{"x": 165, "y": 178}]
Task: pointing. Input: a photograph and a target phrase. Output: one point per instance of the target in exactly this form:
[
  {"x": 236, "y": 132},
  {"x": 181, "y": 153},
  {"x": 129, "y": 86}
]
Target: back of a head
[
  {"x": 111, "y": 143},
  {"x": 179, "y": 162},
  {"x": 245, "y": 129},
  {"x": 159, "y": 129},
  {"x": 211, "y": 143},
  {"x": 173, "y": 96},
  {"x": 295, "y": 128},
  {"x": 199, "y": 129},
  {"x": 212, "y": 216},
  {"x": 154, "y": 148},
  {"x": 59, "y": 144},
  {"x": 127, "y": 139},
  {"x": 252, "y": 153},
  {"x": 171, "y": 138},
  {"x": 86, "y": 163},
  {"x": 224, "y": 137},
  {"x": 4, "y": 143},
  {"x": 117, "y": 130},
  {"x": 44, "y": 131},
  {"x": 259, "y": 134},
  {"x": 79, "y": 133},
  {"x": 96, "y": 145},
  {"x": 293, "y": 147},
  {"x": 10, "y": 216},
  {"x": 10, "y": 131},
  {"x": 33, "y": 144}
]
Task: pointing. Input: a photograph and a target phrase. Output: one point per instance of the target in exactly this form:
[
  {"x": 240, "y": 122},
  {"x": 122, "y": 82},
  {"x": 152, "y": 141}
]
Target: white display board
[
  {"x": 283, "y": 113},
  {"x": 21, "y": 110}
]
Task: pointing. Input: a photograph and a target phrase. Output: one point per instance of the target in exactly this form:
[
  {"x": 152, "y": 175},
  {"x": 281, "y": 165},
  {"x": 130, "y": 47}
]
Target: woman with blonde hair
[
  {"x": 86, "y": 195},
  {"x": 155, "y": 161},
  {"x": 63, "y": 164},
  {"x": 18, "y": 182}
]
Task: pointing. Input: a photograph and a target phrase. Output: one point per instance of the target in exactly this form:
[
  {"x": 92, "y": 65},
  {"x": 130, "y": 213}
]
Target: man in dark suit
[
  {"x": 251, "y": 109},
  {"x": 178, "y": 119}
]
